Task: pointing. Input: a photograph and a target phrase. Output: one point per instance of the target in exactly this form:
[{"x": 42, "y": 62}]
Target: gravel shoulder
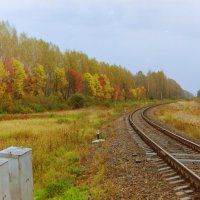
[{"x": 133, "y": 180}]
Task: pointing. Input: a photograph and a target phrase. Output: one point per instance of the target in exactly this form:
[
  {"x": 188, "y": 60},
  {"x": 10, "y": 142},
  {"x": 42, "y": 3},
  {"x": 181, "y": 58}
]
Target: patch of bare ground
[{"x": 131, "y": 180}]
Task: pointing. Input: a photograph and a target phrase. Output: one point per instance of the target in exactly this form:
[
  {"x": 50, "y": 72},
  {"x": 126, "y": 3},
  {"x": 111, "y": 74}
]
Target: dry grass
[
  {"x": 60, "y": 142},
  {"x": 184, "y": 115}
]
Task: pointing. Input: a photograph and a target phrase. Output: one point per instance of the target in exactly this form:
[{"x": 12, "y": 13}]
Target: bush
[
  {"x": 36, "y": 107},
  {"x": 77, "y": 101},
  {"x": 75, "y": 193},
  {"x": 58, "y": 188},
  {"x": 7, "y": 105},
  {"x": 22, "y": 109},
  {"x": 63, "y": 190},
  {"x": 90, "y": 101},
  {"x": 72, "y": 157}
]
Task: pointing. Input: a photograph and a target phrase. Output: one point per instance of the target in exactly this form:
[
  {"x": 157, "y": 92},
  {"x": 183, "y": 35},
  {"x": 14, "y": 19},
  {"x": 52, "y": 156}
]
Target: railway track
[{"x": 177, "y": 158}]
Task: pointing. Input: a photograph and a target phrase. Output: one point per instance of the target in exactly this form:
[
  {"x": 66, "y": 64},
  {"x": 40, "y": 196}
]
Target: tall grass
[
  {"x": 185, "y": 116},
  {"x": 60, "y": 142}
]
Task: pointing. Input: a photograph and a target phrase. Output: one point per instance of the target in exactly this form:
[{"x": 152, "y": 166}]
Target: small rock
[
  {"x": 148, "y": 159},
  {"x": 134, "y": 154},
  {"x": 138, "y": 161},
  {"x": 97, "y": 141}
]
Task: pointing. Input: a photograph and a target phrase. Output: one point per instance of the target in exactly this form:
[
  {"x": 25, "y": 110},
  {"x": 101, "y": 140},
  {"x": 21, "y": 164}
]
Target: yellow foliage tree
[
  {"x": 138, "y": 93},
  {"x": 39, "y": 79},
  {"x": 2, "y": 80},
  {"x": 19, "y": 77},
  {"x": 106, "y": 86},
  {"x": 89, "y": 84},
  {"x": 60, "y": 81},
  {"x": 98, "y": 87}
]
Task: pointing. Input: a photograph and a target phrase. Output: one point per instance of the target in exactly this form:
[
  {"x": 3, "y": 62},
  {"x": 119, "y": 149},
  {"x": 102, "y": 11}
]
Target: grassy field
[
  {"x": 183, "y": 115},
  {"x": 60, "y": 142}
]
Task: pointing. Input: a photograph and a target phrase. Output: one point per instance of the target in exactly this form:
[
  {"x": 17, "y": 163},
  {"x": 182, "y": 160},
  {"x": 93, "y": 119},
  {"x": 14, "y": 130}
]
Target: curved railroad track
[{"x": 177, "y": 158}]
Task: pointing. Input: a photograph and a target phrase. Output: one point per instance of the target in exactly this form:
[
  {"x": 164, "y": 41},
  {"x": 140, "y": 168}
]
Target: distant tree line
[
  {"x": 198, "y": 94},
  {"x": 33, "y": 67}
]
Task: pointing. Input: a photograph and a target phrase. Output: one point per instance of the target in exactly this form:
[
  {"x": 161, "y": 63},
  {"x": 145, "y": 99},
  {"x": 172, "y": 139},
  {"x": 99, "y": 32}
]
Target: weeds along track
[{"x": 177, "y": 158}]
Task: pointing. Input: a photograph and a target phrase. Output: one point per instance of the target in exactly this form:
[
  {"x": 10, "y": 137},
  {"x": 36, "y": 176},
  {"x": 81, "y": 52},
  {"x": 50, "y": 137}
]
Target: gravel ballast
[{"x": 129, "y": 169}]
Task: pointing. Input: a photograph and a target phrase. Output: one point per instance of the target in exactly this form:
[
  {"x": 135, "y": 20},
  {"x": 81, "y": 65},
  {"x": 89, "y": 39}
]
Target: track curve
[{"x": 178, "y": 152}]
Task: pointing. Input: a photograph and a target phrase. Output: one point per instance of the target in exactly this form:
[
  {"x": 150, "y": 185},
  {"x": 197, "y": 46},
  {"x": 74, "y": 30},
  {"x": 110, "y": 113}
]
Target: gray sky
[{"x": 138, "y": 34}]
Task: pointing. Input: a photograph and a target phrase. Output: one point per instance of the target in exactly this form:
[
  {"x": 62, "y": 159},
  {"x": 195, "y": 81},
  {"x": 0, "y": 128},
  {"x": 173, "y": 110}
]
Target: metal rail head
[
  {"x": 182, "y": 140},
  {"x": 173, "y": 162}
]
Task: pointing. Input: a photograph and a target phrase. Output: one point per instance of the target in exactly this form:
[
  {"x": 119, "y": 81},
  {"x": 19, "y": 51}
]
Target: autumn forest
[{"x": 34, "y": 72}]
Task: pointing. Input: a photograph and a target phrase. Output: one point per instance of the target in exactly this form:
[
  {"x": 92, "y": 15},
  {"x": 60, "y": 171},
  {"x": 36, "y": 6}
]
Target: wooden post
[{"x": 20, "y": 170}]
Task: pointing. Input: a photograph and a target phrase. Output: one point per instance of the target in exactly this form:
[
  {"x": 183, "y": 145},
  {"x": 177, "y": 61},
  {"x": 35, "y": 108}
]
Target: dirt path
[{"x": 132, "y": 180}]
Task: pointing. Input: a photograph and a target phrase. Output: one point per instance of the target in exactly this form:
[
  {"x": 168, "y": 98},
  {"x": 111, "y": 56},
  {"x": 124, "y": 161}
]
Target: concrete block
[
  {"x": 20, "y": 170},
  {"x": 4, "y": 180}
]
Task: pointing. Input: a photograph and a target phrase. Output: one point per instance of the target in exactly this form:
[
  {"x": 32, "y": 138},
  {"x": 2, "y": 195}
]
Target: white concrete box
[
  {"x": 20, "y": 171},
  {"x": 4, "y": 180}
]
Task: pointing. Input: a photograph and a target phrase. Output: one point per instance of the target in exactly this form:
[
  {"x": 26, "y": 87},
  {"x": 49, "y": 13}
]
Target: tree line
[
  {"x": 198, "y": 93},
  {"x": 33, "y": 67}
]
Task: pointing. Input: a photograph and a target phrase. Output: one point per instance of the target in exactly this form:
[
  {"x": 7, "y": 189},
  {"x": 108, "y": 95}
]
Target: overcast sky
[{"x": 137, "y": 34}]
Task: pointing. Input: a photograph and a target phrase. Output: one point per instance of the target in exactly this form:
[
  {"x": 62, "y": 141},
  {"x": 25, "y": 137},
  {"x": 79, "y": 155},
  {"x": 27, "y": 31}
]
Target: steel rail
[
  {"x": 187, "y": 173},
  {"x": 179, "y": 138}
]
